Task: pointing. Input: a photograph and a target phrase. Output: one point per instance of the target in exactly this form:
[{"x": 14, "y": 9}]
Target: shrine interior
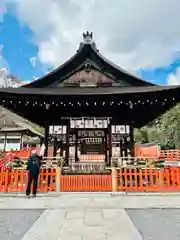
[{"x": 92, "y": 136}]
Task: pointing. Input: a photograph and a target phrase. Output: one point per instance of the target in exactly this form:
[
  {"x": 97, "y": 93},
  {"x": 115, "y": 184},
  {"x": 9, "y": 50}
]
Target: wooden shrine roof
[
  {"x": 88, "y": 54},
  {"x": 149, "y": 100}
]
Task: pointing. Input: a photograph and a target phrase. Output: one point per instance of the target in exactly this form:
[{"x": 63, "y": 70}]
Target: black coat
[{"x": 33, "y": 165}]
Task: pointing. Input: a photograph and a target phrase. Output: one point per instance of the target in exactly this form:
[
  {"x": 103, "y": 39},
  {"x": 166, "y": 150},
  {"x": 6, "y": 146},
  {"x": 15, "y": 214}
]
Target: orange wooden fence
[
  {"x": 173, "y": 154},
  {"x": 148, "y": 180},
  {"x": 128, "y": 180},
  {"x": 16, "y": 180},
  {"x": 147, "y": 150},
  {"x": 86, "y": 183}
]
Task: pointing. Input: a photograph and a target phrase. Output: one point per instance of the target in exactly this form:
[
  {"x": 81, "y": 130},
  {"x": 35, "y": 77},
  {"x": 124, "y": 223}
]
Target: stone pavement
[{"x": 101, "y": 216}]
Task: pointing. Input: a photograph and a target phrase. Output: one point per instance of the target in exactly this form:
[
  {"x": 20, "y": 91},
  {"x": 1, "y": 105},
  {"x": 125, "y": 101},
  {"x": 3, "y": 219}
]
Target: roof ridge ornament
[{"x": 87, "y": 38}]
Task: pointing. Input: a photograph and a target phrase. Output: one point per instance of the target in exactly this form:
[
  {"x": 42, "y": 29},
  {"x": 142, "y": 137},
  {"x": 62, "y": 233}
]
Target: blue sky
[
  {"x": 18, "y": 48},
  {"x": 159, "y": 75}
]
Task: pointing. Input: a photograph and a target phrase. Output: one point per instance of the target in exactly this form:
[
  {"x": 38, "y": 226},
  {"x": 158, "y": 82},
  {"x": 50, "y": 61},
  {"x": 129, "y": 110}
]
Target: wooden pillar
[
  {"x": 76, "y": 147},
  {"x": 58, "y": 178},
  {"x": 61, "y": 146},
  {"x": 120, "y": 146},
  {"x": 55, "y": 146},
  {"x": 125, "y": 147},
  {"x": 41, "y": 141},
  {"x": 106, "y": 147},
  {"x": 110, "y": 141},
  {"x": 21, "y": 141},
  {"x": 46, "y": 139},
  {"x": 5, "y": 141},
  {"x": 67, "y": 143},
  {"x": 132, "y": 140},
  {"x": 114, "y": 179},
  {"x": 103, "y": 146}
]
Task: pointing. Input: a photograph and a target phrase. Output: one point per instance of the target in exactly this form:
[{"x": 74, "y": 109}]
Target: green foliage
[
  {"x": 146, "y": 134},
  {"x": 165, "y": 130},
  {"x": 16, "y": 163}
]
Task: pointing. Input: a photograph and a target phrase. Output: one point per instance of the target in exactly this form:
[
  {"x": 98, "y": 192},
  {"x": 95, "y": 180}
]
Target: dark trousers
[
  {"x": 31, "y": 178},
  {"x": 49, "y": 177}
]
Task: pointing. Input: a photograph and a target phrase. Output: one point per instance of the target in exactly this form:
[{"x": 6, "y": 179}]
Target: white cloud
[
  {"x": 134, "y": 34},
  {"x": 174, "y": 78}
]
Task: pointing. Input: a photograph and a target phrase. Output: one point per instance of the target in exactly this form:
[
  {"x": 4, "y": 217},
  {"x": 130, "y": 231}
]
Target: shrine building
[{"x": 89, "y": 106}]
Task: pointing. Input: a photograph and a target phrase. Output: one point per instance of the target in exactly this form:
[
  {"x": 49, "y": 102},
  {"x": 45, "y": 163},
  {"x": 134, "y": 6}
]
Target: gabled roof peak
[{"x": 87, "y": 41}]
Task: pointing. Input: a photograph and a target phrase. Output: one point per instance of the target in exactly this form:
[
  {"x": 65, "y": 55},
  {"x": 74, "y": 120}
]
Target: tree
[
  {"x": 165, "y": 130},
  {"x": 169, "y": 125}
]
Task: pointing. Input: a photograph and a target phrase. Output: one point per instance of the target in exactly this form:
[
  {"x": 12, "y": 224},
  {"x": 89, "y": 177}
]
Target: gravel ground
[
  {"x": 15, "y": 223},
  {"x": 153, "y": 224}
]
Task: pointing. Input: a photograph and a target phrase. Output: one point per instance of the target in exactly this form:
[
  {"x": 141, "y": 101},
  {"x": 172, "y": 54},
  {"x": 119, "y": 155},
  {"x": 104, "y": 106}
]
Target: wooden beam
[
  {"x": 46, "y": 139},
  {"x": 67, "y": 141},
  {"x": 132, "y": 140},
  {"x": 110, "y": 141},
  {"x": 106, "y": 147},
  {"x": 76, "y": 148}
]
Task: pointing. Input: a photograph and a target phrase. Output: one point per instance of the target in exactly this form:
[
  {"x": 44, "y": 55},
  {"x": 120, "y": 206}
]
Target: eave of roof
[
  {"x": 64, "y": 91},
  {"x": 21, "y": 129},
  {"x": 21, "y": 123},
  {"x": 13, "y": 129},
  {"x": 159, "y": 99}
]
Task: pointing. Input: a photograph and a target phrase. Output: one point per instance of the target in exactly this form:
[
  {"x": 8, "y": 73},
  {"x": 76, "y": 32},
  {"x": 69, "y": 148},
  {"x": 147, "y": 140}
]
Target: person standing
[{"x": 33, "y": 168}]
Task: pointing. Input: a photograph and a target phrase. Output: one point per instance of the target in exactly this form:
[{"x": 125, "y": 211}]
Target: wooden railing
[
  {"x": 168, "y": 155},
  {"x": 16, "y": 180},
  {"x": 148, "y": 180},
  {"x": 46, "y": 162},
  {"x": 126, "y": 174},
  {"x": 86, "y": 183},
  {"x": 135, "y": 161},
  {"x": 121, "y": 179},
  {"x": 173, "y": 154},
  {"x": 92, "y": 166}
]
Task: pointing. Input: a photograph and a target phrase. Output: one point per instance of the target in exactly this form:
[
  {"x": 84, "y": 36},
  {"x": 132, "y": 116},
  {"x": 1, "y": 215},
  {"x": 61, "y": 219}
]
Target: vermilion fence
[
  {"x": 86, "y": 183},
  {"x": 8, "y": 156},
  {"x": 23, "y": 153},
  {"x": 16, "y": 180},
  {"x": 128, "y": 180},
  {"x": 173, "y": 154},
  {"x": 92, "y": 157},
  {"x": 11, "y": 155},
  {"x": 148, "y": 180}
]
